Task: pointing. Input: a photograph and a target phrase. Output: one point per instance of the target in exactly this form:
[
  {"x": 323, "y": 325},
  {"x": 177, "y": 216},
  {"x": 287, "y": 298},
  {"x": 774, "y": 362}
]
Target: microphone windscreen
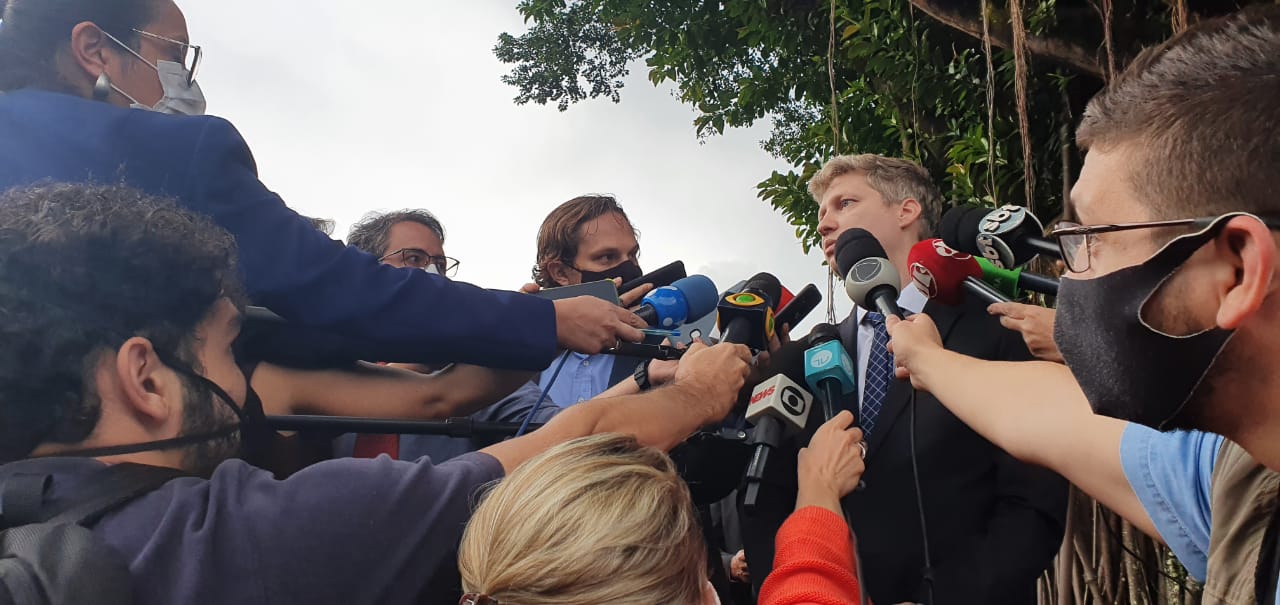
[
  {"x": 767, "y": 285},
  {"x": 960, "y": 227},
  {"x": 939, "y": 271},
  {"x": 854, "y": 245},
  {"x": 700, "y": 294},
  {"x": 788, "y": 360}
]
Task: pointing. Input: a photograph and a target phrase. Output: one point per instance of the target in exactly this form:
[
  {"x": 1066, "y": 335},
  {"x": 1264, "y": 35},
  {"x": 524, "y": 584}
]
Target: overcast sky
[{"x": 384, "y": 104}]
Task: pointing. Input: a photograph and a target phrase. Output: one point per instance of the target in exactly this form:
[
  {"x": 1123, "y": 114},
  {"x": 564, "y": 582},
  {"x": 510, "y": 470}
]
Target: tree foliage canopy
[{"x": 909, "y": 78}]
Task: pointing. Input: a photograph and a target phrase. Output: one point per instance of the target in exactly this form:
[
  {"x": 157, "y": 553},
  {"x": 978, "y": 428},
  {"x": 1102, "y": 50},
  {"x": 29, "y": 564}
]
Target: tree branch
[{"x": 1052, "y": 49}]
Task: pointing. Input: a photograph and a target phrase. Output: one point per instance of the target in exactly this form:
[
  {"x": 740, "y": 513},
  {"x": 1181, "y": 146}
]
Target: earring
[{"x": 102, "y": 88}]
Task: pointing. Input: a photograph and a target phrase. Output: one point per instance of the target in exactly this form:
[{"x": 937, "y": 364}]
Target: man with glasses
[
  {"x": 1168, "y": 314},
  {"x": 414, "y": 238}
]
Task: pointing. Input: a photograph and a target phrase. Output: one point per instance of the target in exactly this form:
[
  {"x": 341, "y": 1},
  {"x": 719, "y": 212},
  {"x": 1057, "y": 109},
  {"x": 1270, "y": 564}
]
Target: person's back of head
[
  {"x": 1198, "y": 118},
  {"x": 85, "y": 270},
  {"x": 595, "y": 520}
]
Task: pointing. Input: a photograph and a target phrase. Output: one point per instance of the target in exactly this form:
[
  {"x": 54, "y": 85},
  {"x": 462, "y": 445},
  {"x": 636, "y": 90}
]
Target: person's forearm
[
  {"x": 1019, "y": 406},
  {"x": 382, "y": 392},
  {"x": 662, "y": 418},
  {"x": 810, "y": 496}
]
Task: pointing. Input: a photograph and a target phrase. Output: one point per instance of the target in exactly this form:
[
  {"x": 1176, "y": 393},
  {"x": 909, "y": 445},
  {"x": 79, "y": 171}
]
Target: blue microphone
[
  {"x": 828, "y": 370},
  {"x": 685, "y": 299}
]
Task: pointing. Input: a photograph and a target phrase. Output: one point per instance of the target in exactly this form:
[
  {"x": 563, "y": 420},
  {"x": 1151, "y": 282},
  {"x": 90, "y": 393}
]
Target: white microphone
[{"x": 781, "y": 398}]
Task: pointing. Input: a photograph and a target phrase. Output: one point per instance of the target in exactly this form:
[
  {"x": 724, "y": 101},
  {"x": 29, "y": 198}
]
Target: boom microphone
[
  {"x": 1008, "y": 236},
  {"x": 1010, "y": 282},
  {"x": 869, "y": 278},
  {"x": 747, "y": 317},
  {"x": 685, "y": 299},
  {"x": 947, "y": 275}
]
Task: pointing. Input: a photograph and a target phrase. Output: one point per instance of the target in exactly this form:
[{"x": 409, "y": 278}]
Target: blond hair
[
  {"x": 596, "y": 520},
  {"x": 896, "y": 180}
]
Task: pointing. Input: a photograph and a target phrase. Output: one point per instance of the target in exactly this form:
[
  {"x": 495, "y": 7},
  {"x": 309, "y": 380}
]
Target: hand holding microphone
[
  {"x": 714, "y": 375},
  {"x": 832, "y": 465},
  {"x": 913, "y": 342},
  {"x": 586, "y": 324}
]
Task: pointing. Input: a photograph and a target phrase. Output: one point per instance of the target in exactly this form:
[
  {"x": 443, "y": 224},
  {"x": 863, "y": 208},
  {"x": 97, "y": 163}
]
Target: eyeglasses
[
  {"x": 420, "y": 259},
  {"x": 190, "y": 58},
  {"x": 1075, "y": 240}
]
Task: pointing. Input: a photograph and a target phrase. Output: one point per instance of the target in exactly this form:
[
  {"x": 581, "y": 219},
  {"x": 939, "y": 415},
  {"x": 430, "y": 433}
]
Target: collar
[{"x": 910, "y": 299}]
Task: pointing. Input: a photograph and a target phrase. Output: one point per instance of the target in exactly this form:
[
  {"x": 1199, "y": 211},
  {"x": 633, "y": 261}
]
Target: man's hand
[
  {"x": 662, "y": 372},
  {"x": 714, "y": 374},
  {"x": 738, "y": 568},
  {"x": 832, "y": 465},
  {"x": 1034, "y": 322},
  {"x": 909, "y": 340},
  {"x": 631, "y": 297},
  {"x": 586, "y": 324},
  {"x": 531, "y": 288}
]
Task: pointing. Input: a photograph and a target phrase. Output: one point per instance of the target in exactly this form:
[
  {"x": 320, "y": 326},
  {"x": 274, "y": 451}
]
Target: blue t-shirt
[
  {"x": 583, "y": 377},
  {"x": 341, "y": 531},
  {"x": 1172, "y": 475}
]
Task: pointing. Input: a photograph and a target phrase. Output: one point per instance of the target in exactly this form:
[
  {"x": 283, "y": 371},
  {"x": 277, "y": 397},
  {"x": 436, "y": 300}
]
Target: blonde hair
[
  {"x": 894, "y": 179},
  {"x": 596, "y": 520}
]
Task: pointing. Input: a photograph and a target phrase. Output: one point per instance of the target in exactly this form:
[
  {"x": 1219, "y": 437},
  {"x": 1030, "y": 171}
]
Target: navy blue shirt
[
  {"x": 342, "y": 531},
  {"x": 384, "y": 313}
]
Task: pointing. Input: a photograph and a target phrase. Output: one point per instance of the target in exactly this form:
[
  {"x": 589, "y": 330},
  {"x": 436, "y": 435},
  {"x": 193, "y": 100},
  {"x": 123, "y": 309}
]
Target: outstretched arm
[{"x": 1034, "y": 410}]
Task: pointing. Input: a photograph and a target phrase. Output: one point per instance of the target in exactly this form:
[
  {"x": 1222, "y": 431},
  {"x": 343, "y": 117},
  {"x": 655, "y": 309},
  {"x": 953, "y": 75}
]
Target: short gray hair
[{"x": 373, "y": 230}]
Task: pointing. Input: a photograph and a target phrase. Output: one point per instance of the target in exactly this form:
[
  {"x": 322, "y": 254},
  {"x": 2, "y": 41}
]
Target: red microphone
[{"x": 947, "y": 275}]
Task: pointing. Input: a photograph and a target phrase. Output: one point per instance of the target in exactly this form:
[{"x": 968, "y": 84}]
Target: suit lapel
[{"x": 900, "y": 390}]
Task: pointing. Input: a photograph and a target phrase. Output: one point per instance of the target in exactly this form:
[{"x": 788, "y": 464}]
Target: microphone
[
  {"x": 1011, "y": 281},
  {"x": 799, "y": 307},
  {"x": 746, "y": 317},
  {"x": 828, "y": 370},
  {"x": 1008, "y": 236},
  {"x": 686, "y": 298},
  {"x": 779, "y": 408},
  {"x": 946, "y": 275},
  {"x": 869, "y": 278}
]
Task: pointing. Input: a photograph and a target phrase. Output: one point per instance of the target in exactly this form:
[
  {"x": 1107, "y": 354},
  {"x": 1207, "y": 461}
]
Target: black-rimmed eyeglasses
[
  {"x": 1074, "y": 240},
  {"x": 420, "y": 259}
]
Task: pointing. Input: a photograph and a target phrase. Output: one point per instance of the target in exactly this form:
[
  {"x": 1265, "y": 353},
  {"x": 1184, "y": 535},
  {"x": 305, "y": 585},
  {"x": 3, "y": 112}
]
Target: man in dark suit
[{"x": 993, "y": 523}]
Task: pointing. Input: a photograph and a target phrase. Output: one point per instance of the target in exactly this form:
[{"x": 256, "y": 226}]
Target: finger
[
  {"x": 855, "y": 433},
  {"x": 1005, "y": 309},
  {"x": 901, "y": 373},
  {"x": 743, "y": 352},
  {"x": 840, "y": 421},
  {"x": 632, "y": 296},
  {"x": 891, "y": 321},
  {"x": 630, "y": 318},
  {"x": 531, "y": 288},
  {"x": 1011, "y": 323},
  {"x": 628, "y": 333},
  {"x": 695, "y": 346}
]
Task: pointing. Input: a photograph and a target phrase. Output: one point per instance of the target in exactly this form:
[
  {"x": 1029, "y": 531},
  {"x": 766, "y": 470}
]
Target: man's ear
[
  {"x": 562, "y": 274},
  {"x": 149, "y": 389},
  {"x": 88, "y": 49},
  {"x": 1248, "y": 248},
  {"x": 909, "y": 212}
]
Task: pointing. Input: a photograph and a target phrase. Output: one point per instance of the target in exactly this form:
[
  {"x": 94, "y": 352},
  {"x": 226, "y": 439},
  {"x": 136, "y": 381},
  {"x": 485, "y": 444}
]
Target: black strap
[
  {"x": 101, "y": 493},
  {"x": 1268, "y": 571},
  {"x": 22, "y": 497}
]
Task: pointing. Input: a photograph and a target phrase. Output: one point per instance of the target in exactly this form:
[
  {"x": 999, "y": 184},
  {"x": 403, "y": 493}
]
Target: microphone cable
[
  {"x": 533, "y": 411},
  {"x": 915, "y": 477}
]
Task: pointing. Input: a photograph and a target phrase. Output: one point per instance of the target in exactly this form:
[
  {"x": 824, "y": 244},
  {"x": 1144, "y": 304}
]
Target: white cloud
[{"x": 396, "y": 103}]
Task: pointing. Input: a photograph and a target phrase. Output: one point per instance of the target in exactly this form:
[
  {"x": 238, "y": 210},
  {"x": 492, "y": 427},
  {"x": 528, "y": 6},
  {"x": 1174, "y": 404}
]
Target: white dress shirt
[{"x": 910, "y": 299}]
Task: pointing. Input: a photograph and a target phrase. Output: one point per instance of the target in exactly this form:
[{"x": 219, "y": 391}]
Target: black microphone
[
  {"x": 779, "y": 408},
  {"x": 746, "y": 317},
  {"x": 800, "y": 306},
  {"x": 1009, "y": 236},
  {"x": 869, "y": 278}
]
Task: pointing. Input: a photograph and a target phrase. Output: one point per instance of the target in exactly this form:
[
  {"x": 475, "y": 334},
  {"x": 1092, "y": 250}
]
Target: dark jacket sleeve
[
  {"x": 386, "y": 313},
  {"x": 1025, "y": 529}
]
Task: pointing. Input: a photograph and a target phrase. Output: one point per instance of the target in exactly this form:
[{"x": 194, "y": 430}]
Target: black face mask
[
  {"x": 1127, "y": 368},
  {"x": 250, "y": 423},
  {"x": 627, "y": 270}
]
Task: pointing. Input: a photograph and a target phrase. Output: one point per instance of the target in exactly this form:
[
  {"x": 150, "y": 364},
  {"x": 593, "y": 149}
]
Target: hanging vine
[{"x": 1020, "y": 91}]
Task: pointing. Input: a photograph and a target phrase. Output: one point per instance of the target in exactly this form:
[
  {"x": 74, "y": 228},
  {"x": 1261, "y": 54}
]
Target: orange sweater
[{"x": 813, "y": 564}]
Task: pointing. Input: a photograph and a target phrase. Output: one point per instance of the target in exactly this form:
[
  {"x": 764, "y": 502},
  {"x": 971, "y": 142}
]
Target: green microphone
[{"x": 1011, "y": 282}]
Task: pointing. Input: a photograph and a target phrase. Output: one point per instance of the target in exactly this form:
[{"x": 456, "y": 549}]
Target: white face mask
[{"x": 181, "y": 95}]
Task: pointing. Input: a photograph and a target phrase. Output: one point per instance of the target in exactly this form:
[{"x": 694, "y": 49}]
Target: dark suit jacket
[
  {"x": 994, "y": 524},
  {"x": 385, "y": 313}
]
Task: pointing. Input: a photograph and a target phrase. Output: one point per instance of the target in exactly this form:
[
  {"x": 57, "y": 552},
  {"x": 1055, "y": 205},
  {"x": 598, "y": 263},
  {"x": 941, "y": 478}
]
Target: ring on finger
[{"x": 862, "y": 445}]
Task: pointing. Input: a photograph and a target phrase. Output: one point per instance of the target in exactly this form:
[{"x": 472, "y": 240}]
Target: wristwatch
[{"x": 642, "y": 375}]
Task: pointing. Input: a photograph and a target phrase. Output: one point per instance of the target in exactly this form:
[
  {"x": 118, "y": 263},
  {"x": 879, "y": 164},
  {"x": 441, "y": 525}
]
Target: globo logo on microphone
[{"x": 792, "y": 400}]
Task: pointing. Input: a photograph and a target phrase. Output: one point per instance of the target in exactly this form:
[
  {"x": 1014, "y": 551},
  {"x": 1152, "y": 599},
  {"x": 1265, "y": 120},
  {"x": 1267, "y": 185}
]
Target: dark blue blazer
[{"x": 287, "y": 265}]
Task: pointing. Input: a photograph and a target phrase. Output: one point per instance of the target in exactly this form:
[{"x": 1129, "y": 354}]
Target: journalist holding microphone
[
  {"x": 106, "y": 91},
  {"x": 1167, "y": 317}
]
